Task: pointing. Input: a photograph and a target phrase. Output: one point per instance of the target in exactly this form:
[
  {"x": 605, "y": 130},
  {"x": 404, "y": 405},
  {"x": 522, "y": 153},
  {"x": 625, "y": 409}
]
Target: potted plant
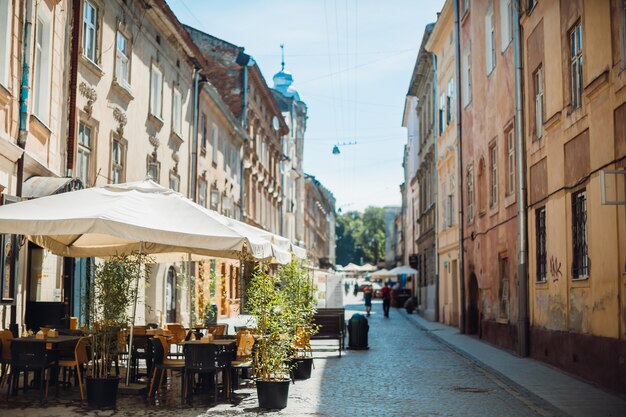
[
  {"x": 267, "y": 307},
  {"x": 111, "y": 294},
  {"x": 299, "y": 292}
]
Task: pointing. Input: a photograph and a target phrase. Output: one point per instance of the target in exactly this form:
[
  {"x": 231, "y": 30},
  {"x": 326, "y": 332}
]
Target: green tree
[{"x": 361, "y": 235}]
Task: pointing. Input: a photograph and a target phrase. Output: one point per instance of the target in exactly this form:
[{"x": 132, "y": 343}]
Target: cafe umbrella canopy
[{"x": 139, "y": 217}]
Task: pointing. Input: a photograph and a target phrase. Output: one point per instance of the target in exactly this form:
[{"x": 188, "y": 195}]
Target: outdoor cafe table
[
  {"x": 229, "y": 347},
  {"x": 53, "y": 344}
]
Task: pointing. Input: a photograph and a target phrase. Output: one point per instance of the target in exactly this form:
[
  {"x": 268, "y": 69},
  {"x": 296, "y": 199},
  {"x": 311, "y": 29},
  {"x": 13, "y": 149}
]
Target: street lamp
[{"x": 337, "y": 151}]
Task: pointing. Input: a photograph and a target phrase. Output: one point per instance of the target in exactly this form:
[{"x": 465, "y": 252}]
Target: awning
[{"x": 36, "y": 187}]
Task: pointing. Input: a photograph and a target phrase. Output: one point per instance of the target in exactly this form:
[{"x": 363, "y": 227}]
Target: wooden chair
[
  {"x": 5, "y": 355},
  {"x": 80, "y": 358},
  {"x": 243, "y": 360},
  {"x": 179, "y": 335},
  {"x": 217, "y": 329},
  {"x": 30, "y": 357},
  {"x": 161, "y": 364}
]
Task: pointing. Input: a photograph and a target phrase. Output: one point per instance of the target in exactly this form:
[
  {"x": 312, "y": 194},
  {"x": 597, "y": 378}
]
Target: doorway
[{"x": 472, "y": 308}]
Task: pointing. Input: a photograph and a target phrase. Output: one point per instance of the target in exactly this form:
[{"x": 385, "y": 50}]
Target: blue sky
[{"x": 351, "y": 61}]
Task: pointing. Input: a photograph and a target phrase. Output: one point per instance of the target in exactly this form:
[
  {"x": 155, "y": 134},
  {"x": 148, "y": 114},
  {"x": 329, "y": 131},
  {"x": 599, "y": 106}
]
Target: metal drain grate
[{"x": 470, "y": 389}]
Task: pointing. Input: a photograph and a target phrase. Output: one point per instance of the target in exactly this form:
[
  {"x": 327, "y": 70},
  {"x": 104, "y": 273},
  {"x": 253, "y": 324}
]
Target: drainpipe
[
  {"x": 459, "y": 154},
  {"x": 73, "y": 87},
  {"x": 24, "y": 89},
  {"x": 21, "y": 142},
  {"x": 436, "y": 187},
  {"x": 194, "y": 135},
  {"x": 522, "y": 224}
]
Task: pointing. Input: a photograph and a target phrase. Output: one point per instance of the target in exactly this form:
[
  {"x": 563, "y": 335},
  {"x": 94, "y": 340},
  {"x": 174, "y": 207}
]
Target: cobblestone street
[{"x": 405, "y": 372}]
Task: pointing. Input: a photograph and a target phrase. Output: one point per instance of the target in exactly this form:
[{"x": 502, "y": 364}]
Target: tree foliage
[{"x": 361, "y": 235}]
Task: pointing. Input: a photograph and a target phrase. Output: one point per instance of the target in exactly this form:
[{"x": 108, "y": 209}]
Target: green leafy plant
[
  {"x": 108, "y": 302},
  {"x": 272, "y": 316},
  {"x": 299, "y": 292}
]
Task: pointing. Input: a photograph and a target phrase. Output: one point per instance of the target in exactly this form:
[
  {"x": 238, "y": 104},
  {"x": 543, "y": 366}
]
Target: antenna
[{"x": 282, "y": 54}]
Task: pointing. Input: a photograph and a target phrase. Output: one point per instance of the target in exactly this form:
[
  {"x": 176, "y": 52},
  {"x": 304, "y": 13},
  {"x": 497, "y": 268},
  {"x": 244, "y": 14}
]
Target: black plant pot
[
  {"x": 102, "y": 392},
  {"x": 272, "y": 394},
  {"x": 301, "y": 368}
]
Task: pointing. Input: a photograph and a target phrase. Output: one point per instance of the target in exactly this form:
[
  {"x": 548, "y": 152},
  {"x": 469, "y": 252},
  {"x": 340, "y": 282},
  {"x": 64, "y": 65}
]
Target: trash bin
[{"x": 357, "y": 329}]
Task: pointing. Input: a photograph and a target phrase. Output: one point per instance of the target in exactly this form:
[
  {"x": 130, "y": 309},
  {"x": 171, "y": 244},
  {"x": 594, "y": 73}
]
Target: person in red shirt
[{"x": 386, "y": 294}]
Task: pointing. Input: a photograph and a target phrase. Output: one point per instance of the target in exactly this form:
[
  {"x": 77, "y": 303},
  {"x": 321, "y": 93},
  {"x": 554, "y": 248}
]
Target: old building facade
[
  {"x": 33, "y": 147},
  {"x": 319, "y": 238},
  {"x": 239, "y": 81},
  {"x": 441, "y": 43},
  {"x": 574, "y": 60},
  {"x": 294, "y": 112},
  {"x": 420, "y": 155}
]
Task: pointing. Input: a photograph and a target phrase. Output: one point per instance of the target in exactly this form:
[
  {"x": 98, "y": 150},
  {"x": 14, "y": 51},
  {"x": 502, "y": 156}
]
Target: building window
[
  {"x": 214, "y": 143},
  {"x": 623, "y": 32},
  {"x": 493, "y": 170},
  {"x": 177, "y": 113},
  {"x": 202, "y": 131},
  {"x": 450, "y": 204},
  {"x": 442, "y": 113},
  {"x": 202, "y": 189},
  {"x": 538, "y": 87},
  {"x": 504, "y": 287},
  {"x": 174, "y": 181},
  {"x": 156, "y": 92},
  {"x": 153, "y": 170},
  {"x": 122, "y": 60},
  {"x": 215, "y": 199},
  {"x": 470, "y": 194},
  {"x": 541, "y": 253},
  {"x": 466, "y": 6},
  {"x": 449, "y": 101},
  {"x": 467, "y": 74},
  {"x": 510, "y": 162},
  {"x": 234, "y": 163},
  {"x": 83, "y": 153},
  {"x": 506, "y": 26},
  {"x": 90, "y": 31},
  {"x": 117, "y": 162},
  {"x": 41, "y": 105},
  {"x": 6, "y": 20},
  {"x": 576, "y": 64},
  {"x": 224, "y": 154},
  {"x": 580, "y": 254},
  {"x": 490, "y": 40}
]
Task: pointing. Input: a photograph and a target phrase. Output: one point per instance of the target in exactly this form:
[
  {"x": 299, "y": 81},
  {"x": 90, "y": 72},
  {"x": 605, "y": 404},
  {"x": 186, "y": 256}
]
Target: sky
[{"x": 351, "y": 62}]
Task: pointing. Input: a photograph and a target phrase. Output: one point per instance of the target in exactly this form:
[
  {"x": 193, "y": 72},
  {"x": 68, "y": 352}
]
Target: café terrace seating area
[{"x": 204, "y": 363}]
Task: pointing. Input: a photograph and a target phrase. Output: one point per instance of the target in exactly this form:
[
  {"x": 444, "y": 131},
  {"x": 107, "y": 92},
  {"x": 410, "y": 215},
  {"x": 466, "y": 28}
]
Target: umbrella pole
[
  {"x": 132, "y": 323},
  {"x": 189, "y": 289}
]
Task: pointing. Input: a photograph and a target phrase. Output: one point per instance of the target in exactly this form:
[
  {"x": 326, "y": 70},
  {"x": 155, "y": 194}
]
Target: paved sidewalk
[{"x": 568, "y": 394}]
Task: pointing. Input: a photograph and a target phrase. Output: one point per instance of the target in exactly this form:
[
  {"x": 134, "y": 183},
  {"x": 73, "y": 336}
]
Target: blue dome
[{"x": 283, "y": 81}]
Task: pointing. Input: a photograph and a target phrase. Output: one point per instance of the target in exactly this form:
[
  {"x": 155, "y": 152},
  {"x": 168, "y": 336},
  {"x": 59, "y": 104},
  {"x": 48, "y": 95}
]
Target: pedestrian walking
[
  {"x": 346, "y": 287},
  {"x": 386, "y": 295},
  {"x": 367, "y": 297},
  {"x": 356, "y": 288}
]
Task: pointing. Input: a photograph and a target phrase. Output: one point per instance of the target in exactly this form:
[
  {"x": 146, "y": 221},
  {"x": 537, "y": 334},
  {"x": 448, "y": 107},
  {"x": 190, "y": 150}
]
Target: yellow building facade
[
  {"x": 574, "y": 56},
  {"x": 441, "y": 44}
]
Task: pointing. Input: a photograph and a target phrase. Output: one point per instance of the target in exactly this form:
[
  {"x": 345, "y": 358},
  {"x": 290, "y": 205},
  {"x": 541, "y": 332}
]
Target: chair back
[
  {"x": 158, "y": 353},
  {"x": 5, "y": 354},
  {"x": 244, "y": 347},
  {"x": 80, "y": 352},
  {"x": 164, "y": 344},
  {"x": 177, "y": 330},
  {"x": 216, "y": 329},
  {"x": 141, "y": 330},
  {"x": 30, "y": 355},
  {"x": 202, "y": 357}
]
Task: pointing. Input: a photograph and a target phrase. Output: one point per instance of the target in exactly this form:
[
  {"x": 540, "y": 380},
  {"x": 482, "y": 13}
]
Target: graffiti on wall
[{"x": 555, "y": 269}]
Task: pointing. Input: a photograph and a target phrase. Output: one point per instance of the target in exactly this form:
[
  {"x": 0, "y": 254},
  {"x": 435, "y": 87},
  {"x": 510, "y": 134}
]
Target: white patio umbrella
[
  {"x": 368, "y": 268},
  {"x": 382, "y": 274},
  {"x": 124, "y": 218},
  {"x": 403, "y": 270},
  {"x": 352, "y": 268}
]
